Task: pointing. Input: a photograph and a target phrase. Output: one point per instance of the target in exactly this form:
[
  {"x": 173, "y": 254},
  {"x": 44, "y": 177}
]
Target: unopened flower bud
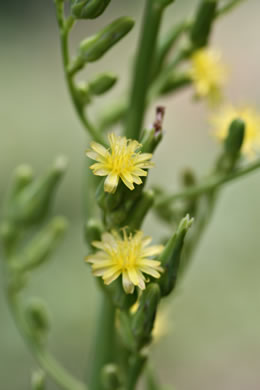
[
  {"x": 93, "y": 48},
  {"x": 32, "y": 203},
  {"x": 41, "y": 246},
  {"x": 235, "y": 137},
  {"x": 143, "y": 319},
  {"x": 102, "y": 83},
  {"x": 38, "y": 318},
  {"x": 202, "y": 25},
  {"x": 88, "y": 9},
  {"x": 110, "y": 377},
  {"x": 171, "y": 256},
  {"x": 38, "y": 380},
  {"x": 92, "y": 231}
]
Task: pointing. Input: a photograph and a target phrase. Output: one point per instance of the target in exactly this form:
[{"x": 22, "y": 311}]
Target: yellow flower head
[
  {"x": 128, "y": 256},
  {"x": 208, "y": 74},
  {"x": 121, "y": 161},
  {"x": 251, "y": 118}
]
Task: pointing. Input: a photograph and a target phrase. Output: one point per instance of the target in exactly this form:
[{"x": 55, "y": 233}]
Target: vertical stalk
[
  {"x": 144, "y": 59},
  {"x": 103, "y": 346}
]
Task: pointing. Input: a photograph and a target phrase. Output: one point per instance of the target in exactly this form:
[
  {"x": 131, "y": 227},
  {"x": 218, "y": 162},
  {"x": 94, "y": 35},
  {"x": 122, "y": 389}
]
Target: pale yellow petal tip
[
  {"x": 222, "y": 120},
  {"x": 128, "y": 256},
  {"x": 121, "y": 161}
]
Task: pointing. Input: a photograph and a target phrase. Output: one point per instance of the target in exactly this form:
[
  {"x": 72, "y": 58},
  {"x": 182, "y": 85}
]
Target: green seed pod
[
  {"x": 93, "y": 48},
  {"x": 171, "y": 256},
  {"x": 110, "y": 377},
  {"x": 88, "y": 9},
  {"x": 102, "y": 83},
  {"x": 92, "y": 231},
  {"x": 38, "y": 380},
  {"x": 32, "y": 204},
  {"x": 143, "y": 319},
  {"x": 203, "y": 22},
  {"x": 38, "y": 318},
  {"x": 235, "y": 138},
  {"x": 41, "y": 246}
]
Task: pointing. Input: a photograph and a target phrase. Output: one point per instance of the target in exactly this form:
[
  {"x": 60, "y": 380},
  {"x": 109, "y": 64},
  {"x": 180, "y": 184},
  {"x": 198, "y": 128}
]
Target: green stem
[
  {"x": 135, "y": 368},
  {"x": 103, "y": 346},
  {"x": 210, "y": 184},
  {"x": 144, "y": 59},
  {"x": 64, "y": 28},
  {"x": 45, "y": 360}
]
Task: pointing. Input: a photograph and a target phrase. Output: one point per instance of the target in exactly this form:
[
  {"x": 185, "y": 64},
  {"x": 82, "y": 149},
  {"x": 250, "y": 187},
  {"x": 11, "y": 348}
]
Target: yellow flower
[
  {"x": 121, "y": 161},
  {"x": 208, "y": 74},
  {"x": 128, "y": 256},
  {"x": 222, "y": 121}
]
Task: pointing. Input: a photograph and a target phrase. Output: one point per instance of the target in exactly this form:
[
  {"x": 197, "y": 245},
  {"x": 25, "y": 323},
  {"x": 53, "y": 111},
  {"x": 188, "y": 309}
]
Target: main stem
[
  {"x": 144, "y": 60},
  {"x": 103, "y": 346}
]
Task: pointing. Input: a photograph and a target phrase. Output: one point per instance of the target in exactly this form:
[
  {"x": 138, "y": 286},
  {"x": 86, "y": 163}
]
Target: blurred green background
[{"x": 213, "y": 339}]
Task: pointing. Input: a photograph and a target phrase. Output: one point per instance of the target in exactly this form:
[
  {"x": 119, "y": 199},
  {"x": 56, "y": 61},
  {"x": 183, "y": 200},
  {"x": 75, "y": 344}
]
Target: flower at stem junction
[
  {"x": 251, "y": 118},
  {"x": 128, "y": 256},
  {"x": 122, "y": 160},
  {"x": 208, "y": 74}
]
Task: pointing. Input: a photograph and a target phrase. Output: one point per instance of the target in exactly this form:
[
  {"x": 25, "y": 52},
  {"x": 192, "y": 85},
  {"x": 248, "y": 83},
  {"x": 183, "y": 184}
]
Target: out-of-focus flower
[
  {"x": 121, "y": 161},
  {"x": 128, "y": 256},
  {"x": 208, "y": 74}
]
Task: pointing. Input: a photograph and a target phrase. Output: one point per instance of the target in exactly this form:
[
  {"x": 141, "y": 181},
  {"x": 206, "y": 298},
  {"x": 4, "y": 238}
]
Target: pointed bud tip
[
  {"x": 60, "y": 164},
  {"x": 59, "y": 224},
  {"x": 185, "y": 223},
  {"x": 24, "y": 171}
]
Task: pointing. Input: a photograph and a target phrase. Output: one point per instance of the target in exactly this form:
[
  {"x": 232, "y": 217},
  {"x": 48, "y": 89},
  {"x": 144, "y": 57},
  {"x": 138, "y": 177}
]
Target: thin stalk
[
  {"x": 210, "y": 184},
  {"x": 103, "y": 346},
  {"x": 228, "y": 7},
  {"x": 144, "y": 59},
  {"x": 64, "y": 28},
  {"x": 47, "y": 362}
]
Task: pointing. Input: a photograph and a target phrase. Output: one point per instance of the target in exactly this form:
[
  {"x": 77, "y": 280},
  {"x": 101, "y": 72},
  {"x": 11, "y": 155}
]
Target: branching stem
[
  {"x": 64, "y": 28},
  {"x": 210, "y": 184}
]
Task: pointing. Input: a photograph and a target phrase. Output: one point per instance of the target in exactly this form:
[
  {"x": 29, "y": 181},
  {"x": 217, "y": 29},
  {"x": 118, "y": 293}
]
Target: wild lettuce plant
[{"x": 133, "y": 274}]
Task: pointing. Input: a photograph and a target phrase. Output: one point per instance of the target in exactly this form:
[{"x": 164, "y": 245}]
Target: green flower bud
[
  {"x": 32, "y": 203},
  {"x": 163, "y": 3},
  {"x": 88, "y": 9},
  {"x": 203, "y": 22},
  {"x": 92, "y": 231},
  {"x": 110, "y": 377},
  {"x": 83, "y": 94},
  {"x": 41, "y": 246},
  {"x": 143, "y": 319},
  {"x": 102, "y": 83},
  {"x": 232, "y": 146},
  {"x": 38, "y": 318},
  {"x": 171, "y": 256},
  {"x": 93, "y": 48},
  {"x": 235, "y": 137},
  {"x": 38, "y": 380}
]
